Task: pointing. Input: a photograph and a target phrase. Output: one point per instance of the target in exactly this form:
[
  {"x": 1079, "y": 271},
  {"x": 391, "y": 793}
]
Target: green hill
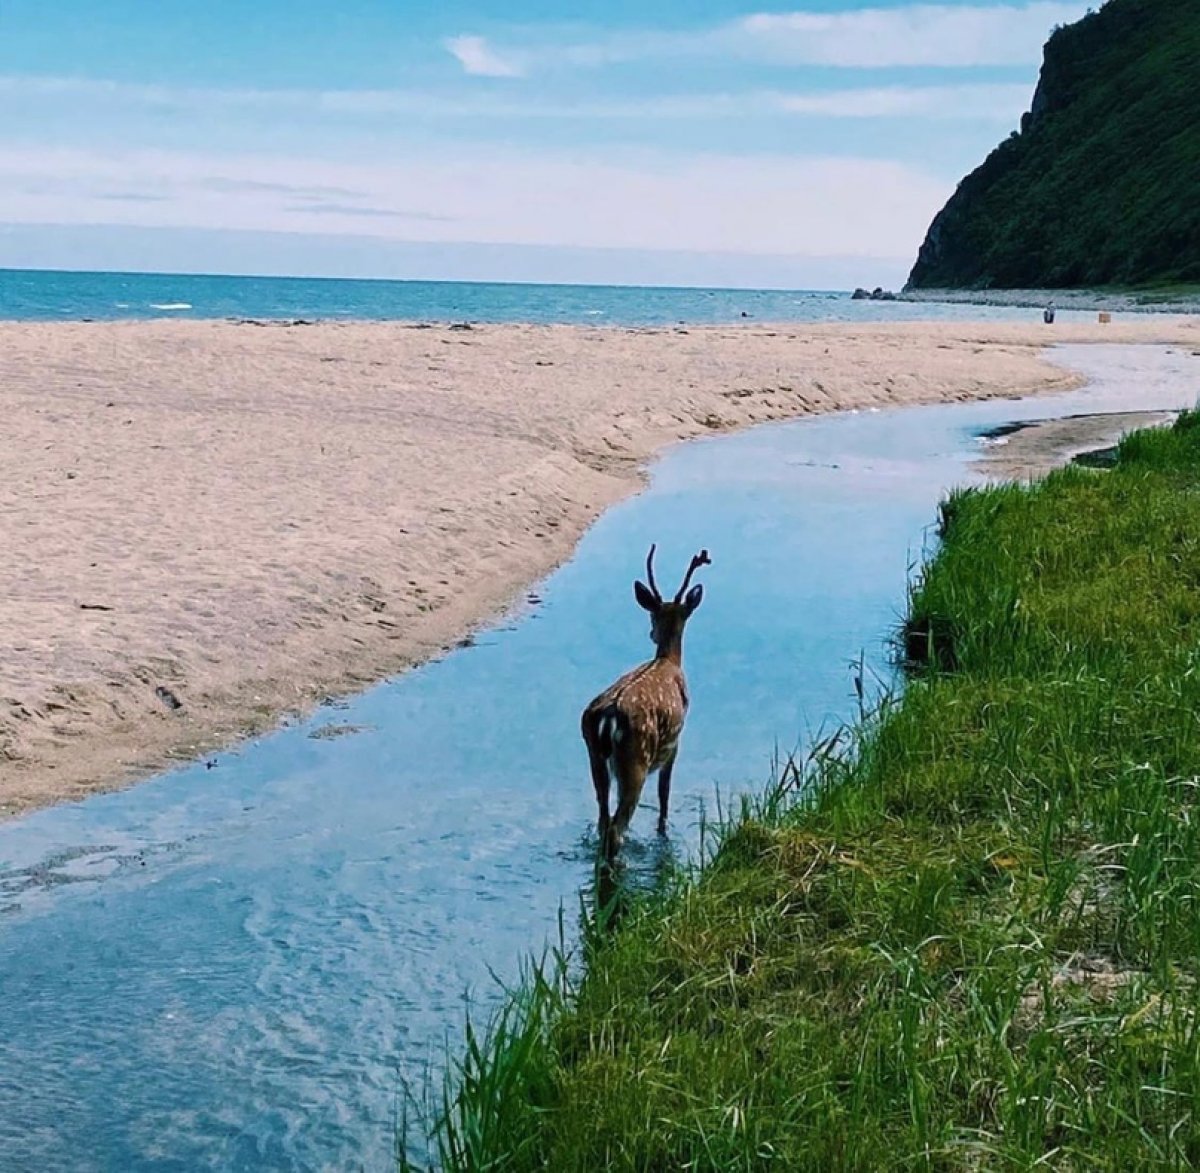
[{"x": 1101, "y": 187}]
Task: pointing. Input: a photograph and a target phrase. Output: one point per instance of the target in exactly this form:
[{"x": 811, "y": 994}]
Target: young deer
[{"x": 632, "y": 728}]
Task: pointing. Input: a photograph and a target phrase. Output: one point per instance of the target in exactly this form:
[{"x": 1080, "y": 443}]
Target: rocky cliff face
[{"x": 1101, "y": 185}]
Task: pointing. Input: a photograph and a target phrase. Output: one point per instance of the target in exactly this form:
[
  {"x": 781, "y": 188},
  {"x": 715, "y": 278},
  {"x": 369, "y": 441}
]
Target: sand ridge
[{"x": 209, "y": 525}]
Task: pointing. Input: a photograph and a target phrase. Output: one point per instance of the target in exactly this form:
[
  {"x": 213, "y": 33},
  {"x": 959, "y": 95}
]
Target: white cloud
[
  {"x": 993, "y": 103},
  {"x": 981, "y": 102},
  {"x": 916, "y": 35},
  {"x": 477, "y": 57},
  {"x": 766, "y": 205},
  {"x": 921, "y": 34}
]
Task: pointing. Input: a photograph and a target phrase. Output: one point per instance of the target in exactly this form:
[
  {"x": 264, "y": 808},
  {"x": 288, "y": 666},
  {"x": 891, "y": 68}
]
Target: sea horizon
[
  {"x": 114, "y": 295},
  {"x": 55, "y": 270}
]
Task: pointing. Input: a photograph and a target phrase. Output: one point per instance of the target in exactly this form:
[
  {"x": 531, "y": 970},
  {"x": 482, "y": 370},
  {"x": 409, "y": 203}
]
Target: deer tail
[{"x": 612, "y": 727}]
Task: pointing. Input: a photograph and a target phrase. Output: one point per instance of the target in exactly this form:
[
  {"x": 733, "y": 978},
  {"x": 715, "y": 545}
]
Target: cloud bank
[
  {"x": 752, "y": 204},
  {"x": 916, "y": 35}
]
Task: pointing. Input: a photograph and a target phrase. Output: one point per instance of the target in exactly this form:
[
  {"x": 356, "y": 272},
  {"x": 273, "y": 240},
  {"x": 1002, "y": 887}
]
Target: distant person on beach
[{"x": 1048, "y": 314}]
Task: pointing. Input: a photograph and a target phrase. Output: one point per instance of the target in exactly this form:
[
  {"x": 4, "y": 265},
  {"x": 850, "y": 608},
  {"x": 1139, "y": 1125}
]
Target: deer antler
[
  {"x": 650, "y": 571},
  {"x": 701, "y": 559}
]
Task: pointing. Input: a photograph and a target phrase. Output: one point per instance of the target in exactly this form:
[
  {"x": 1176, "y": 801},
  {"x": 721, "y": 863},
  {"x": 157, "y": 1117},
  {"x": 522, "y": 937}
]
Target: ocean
[{"x": 39, "y": 295}]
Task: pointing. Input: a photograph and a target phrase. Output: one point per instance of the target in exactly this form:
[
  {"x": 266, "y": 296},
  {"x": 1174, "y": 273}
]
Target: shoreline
[{"x": 218, "y": 526}]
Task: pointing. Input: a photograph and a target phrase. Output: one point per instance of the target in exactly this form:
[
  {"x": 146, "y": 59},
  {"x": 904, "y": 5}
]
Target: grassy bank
[{"x": 970, "y": 940}]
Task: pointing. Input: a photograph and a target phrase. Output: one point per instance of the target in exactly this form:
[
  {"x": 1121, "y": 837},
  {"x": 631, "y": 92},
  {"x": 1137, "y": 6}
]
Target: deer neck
[{"x": 670, "y": 651}]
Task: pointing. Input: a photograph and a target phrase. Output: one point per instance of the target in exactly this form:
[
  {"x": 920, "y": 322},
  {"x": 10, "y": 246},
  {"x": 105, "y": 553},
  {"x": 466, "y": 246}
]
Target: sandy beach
[{"x": 211, "y": 525}]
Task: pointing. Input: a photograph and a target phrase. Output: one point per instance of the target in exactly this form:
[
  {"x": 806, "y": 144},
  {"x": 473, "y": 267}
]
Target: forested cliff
[{"x": 1101, "y": 185}]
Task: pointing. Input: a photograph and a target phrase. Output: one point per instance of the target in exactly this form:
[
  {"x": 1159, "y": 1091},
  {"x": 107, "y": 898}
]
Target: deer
[{"x": 632, "y": 728}]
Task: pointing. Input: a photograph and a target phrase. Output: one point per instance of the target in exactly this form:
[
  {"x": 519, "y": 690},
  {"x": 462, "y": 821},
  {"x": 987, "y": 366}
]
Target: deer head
[{"x": 667, "y": 620}]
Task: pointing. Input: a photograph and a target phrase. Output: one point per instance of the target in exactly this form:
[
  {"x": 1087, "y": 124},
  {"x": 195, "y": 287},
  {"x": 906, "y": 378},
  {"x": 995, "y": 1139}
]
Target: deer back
[{"x": 650, "y": 704}]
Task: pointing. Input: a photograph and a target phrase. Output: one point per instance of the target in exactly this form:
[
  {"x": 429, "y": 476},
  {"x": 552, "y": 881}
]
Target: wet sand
[
  {"x": 210, "y": 525},
  {"x": 1034, "y": 449}
]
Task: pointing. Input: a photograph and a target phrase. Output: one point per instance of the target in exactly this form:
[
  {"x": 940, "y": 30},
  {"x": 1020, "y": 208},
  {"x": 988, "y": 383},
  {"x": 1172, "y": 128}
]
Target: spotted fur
[{"x": 632, "y": 728}]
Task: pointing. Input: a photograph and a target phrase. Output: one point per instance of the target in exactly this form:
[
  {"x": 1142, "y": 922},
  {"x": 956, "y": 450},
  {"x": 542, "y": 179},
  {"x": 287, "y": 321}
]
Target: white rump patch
[{"x": 611, "y": 728}]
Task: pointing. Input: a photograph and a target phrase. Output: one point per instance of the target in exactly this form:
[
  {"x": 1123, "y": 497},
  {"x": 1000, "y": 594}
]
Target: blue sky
[{"x": 804, "y": 143}]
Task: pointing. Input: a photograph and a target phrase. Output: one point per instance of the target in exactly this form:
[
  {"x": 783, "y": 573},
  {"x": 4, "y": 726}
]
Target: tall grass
[{"x": 966, "y": 936}]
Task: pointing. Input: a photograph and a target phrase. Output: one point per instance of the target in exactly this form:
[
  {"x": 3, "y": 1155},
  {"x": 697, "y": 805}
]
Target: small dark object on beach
[
  {"x": 168, "y": 698},
  {"x": 461, "y": 326},
  {"x": 94, "y": 607}
]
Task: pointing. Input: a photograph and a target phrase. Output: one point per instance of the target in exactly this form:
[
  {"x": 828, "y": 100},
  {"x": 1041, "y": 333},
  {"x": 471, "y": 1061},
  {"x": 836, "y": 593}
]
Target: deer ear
[
  {"x": 694, "y": 598},
  {"x": 645, "y": 599}
]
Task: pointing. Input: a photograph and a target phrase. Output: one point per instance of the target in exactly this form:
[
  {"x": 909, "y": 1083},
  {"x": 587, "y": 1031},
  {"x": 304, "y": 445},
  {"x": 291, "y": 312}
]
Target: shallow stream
[{"x": 232, "y": 968}]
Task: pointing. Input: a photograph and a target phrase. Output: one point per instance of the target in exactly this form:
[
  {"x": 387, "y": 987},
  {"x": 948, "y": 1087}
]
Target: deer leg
[
  {"x": 664, "y": 793},
  {"x": 630, "y": 779},
  {"x": 600, "y": 781}
]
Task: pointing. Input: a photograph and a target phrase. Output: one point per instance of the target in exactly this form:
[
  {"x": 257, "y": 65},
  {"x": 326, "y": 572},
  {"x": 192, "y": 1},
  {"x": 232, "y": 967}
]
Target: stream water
[{"x": 232, "y": 968}]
